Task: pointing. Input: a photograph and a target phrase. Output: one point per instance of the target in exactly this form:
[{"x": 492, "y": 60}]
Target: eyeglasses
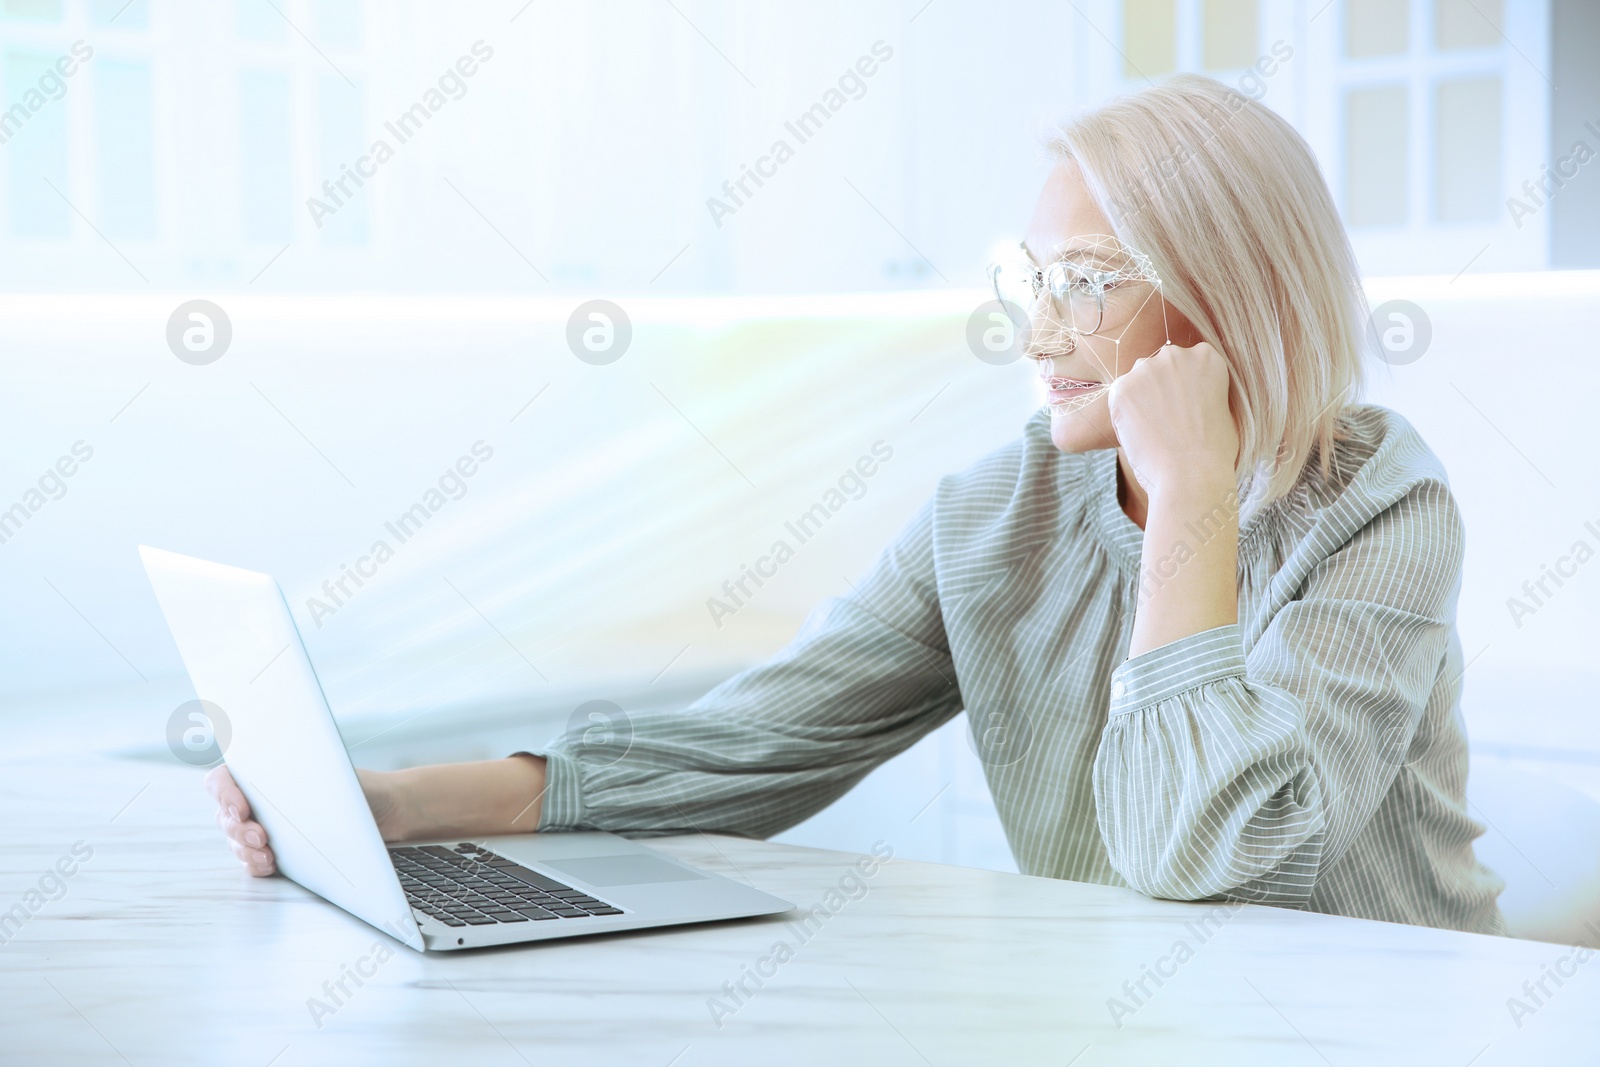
[{"x": 1071, "y": 291}]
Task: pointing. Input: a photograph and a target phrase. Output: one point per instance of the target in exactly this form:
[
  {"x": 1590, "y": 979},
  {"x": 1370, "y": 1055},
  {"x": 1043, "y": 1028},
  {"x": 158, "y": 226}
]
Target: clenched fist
[{"x": 1172, "y": 419}]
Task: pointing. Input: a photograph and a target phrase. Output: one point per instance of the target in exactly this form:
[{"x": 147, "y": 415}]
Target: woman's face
[{"x": 1075, "y": 367}]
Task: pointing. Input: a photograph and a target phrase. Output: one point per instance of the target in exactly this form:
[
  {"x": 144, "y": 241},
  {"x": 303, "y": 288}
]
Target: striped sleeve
[
  {"x": 869, "y": 675},
  {"x": 1226, "y": 774}
]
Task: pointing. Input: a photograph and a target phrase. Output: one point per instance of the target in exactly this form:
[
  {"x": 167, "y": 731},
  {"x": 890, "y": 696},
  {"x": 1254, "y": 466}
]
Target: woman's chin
[{"x": 1082, "y": 429}]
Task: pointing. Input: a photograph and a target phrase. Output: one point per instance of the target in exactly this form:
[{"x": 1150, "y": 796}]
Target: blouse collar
[
  {"x": 1117, "y": 531},
  {"x": 1125, "y": 540}
]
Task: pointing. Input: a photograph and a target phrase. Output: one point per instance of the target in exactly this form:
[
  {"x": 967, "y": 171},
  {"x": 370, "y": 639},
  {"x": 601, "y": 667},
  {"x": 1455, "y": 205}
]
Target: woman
[{"x": 1201, "y": 614}]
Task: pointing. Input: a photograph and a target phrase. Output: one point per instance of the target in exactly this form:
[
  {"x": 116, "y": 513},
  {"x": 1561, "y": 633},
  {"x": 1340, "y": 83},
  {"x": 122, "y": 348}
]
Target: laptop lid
[{"x": 244, "y": 654}]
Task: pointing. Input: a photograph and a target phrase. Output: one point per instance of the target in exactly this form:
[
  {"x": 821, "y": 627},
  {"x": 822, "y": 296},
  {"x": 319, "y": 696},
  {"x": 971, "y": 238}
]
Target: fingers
[
  {"x": 258, "y": 861},
  {"x": 226, "y": 792},
  {"x": 247, "y": 839}
]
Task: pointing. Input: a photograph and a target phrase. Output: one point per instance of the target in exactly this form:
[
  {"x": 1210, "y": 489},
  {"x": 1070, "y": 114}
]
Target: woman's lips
[{"x": 1069, "y": 388}]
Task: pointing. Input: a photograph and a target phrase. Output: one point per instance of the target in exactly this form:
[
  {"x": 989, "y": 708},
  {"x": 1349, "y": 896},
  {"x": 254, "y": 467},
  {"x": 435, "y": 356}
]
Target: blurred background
[{"x": 400, "y": 213}]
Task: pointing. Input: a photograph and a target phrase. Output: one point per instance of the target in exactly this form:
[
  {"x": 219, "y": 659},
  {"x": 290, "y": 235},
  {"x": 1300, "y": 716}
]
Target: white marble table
[{"x": 161, "y": 952}]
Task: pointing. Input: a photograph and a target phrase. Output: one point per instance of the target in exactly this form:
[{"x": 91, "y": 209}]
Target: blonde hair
[{"x": 1227, "y": 201}]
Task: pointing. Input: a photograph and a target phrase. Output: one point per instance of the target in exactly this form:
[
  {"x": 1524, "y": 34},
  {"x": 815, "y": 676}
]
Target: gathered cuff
[
  {"x": 562, "y": 806},
  {"x": 1187, "y": 663}
]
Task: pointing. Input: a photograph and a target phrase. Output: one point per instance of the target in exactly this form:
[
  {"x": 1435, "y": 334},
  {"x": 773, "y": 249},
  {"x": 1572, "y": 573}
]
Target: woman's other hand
[
  {"x": 450, "y": 800},
  {"x": 1173, "y": 421},
  {"x": 247, "y": 838}
]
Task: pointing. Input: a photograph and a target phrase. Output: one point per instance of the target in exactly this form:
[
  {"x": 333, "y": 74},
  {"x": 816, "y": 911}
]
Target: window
[
  {"x": 259, "y": 22},
  {"x": 342, "y": 139},
  {"x": 1463, "y": 24},
  {"x": 1376, "y": 145},
  {"x": 1149, "y": 38},
  {"x": 1163, "y": 36},
  {"x": 1376, "y": 28},
  {"x": 337, "y": 23},
  {"x": 1425, "y": 90},
  {"x": 34, "y": 129},
  {"x": 124, "y": 149},
  {"x": 1466, "y": 150},
  {"x": 123, "y": 14},
  {"x": 1230, "y": 34},
  {"x": 33, "y": 10},
  {"x": 266, "y": 178}
]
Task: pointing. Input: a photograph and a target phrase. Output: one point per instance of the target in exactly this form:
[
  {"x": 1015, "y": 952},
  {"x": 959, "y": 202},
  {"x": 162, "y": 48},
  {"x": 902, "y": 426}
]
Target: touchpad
[{"x": 623, "y": 870}]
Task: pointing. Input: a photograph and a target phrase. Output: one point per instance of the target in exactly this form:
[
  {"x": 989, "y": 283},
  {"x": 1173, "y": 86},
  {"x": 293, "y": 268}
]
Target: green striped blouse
[{"x": 1311, "y": 756}]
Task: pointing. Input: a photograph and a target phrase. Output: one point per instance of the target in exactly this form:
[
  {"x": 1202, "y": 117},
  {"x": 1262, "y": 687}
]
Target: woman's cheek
[{"x": 1085, "y": 430}]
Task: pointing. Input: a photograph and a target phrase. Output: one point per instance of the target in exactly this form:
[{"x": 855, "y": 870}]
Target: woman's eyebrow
[
  {"x": 1084, "y": 256},
  {"x": 1088, "y": 252}
]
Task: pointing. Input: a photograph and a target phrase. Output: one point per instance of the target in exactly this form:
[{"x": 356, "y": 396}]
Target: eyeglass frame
[{"x": 1037, "y": 278}]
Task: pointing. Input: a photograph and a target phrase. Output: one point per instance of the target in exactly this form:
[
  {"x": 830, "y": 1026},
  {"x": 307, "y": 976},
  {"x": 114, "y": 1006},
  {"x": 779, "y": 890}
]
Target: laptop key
[
  {"x": 478, "y": 920},
  {"x": 449, "y": 921},
  {"x": 438, "y": 852},
  {"x": 605, "y": 909},
  {"x": 533, "y": 878},
  {"x": 536, "y": 913}
]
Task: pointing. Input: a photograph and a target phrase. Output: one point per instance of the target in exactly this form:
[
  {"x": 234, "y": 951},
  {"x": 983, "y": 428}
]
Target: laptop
[{"x": 245, "y": 657}]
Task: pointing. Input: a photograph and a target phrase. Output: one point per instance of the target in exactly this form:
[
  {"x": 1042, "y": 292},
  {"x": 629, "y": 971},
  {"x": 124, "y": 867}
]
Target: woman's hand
[
  {"x": 449, "y": 800},
  {"x": 248, "y": 838},
  {"x": 1177, "y": 434},
  {"x": 1172, "y": 420}
]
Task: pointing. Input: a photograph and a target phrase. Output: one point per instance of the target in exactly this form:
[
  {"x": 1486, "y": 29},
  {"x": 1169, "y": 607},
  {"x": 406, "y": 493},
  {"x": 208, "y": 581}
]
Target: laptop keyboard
[{"x": 472, "y": 886}]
